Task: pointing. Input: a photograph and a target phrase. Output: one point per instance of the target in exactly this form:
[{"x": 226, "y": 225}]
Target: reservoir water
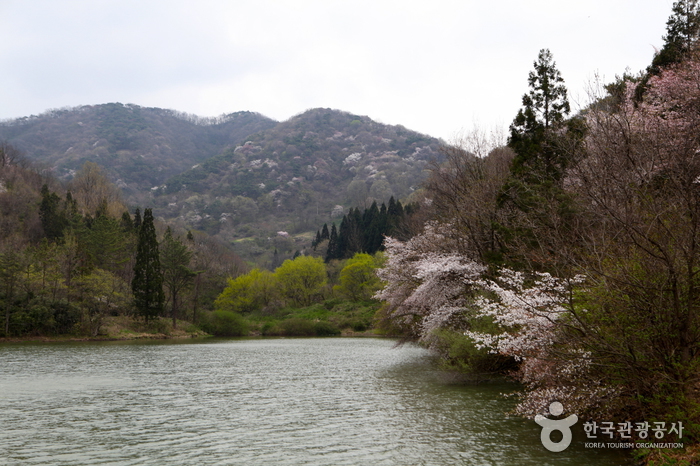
[{"x": 333, "y": 401}]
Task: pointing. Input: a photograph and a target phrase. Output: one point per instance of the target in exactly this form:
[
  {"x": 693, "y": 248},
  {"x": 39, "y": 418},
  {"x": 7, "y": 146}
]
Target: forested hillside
[
  {"x": 138, "y": 147},
  {"x": 302, "y": 173},
  {"x": 70, "y": 255},
  {"x": 241, "y": 177}
]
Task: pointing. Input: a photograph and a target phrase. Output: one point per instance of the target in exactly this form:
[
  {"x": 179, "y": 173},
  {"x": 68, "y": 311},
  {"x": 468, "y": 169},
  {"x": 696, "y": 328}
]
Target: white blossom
[{"x": 429, "y": 286}]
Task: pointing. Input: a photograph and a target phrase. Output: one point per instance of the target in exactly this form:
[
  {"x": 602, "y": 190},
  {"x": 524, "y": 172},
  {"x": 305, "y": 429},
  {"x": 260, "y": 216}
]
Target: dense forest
[
  {"x": 70, "y": 255},
  {"x": 75, "y": 262}
]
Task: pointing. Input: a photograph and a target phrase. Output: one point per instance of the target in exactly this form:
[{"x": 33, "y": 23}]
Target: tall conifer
[
  {"x": 333, "y": 251},
  {"x": 147, "y": 284},
  {"x": 538, "y": 162}
]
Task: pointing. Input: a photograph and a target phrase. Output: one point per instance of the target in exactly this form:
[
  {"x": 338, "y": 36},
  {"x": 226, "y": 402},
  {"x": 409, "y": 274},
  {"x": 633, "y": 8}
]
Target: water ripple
[{"x": 253, "y": 402}]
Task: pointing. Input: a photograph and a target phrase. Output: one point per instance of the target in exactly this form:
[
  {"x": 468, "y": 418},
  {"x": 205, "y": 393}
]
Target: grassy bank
[{"x": 330, "y": 318}]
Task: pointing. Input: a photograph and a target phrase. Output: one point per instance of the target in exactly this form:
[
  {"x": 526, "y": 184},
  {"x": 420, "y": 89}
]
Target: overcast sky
[{"x": 437, "y": 66}]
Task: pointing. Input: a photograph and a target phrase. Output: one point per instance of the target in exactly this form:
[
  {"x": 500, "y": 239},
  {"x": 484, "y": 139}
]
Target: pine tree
[
  {"x": 126, "y": 223},
  {"x": 354, "y": 232},
  {"x": 372, "y": 229},
  {"x": 147, "y": 284},
  {"x": 107, "y": 244},
  {"x": 137, "y": 219},
  {"x": 682, "y": 30},
  {"x": 316, "y": 240},
  {"x": 395, "y": 216},
  {"x": 332, "y": 252},
  {"x": 343, "y": 250},
  {"x": 533, "y": 136},
  {"x": 53, "y": 221}
]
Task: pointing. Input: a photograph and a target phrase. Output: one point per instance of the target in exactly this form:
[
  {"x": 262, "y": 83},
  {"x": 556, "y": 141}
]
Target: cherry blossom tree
[
  {"x": 427, "y": 284},
  {"x": 430, "y": 287}
]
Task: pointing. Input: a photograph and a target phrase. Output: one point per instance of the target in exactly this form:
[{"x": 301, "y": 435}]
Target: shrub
[
  {"x": 225, "y": 324},
  {"x": 297, "y": 326},
  {"x": 324, "y": 328}
]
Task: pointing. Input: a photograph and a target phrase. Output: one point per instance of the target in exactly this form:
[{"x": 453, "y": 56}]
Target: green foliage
[
  {"x": 12, "y": 266},
  {"x": 362, "y": 232},
  {"x": 248, "y": 292},
  {"x": 358, "y": 280},
  {"x": 544, "y": 109},
  {"x": 53, "y": 220},
  {"x": 175, "y": 260},
  {"x": 300, "y": 327},
  {"x": 459, "y": 354},
  {"x": 108, "y": 246},
  {"x": 297, "y": 326},
  {"x": 65, "y": 272},
  {"x": 225, "y": 324},
  {"x": 533, "y": 198},
  {"x": 323, "y": 329},
  {"x": 301, "y": 279},
  {"x": 147, "y": 284},
  {"x": 156, "y": 325},
  {"x": 682, "y": 30},
  {"x": 265, "y": 177}
]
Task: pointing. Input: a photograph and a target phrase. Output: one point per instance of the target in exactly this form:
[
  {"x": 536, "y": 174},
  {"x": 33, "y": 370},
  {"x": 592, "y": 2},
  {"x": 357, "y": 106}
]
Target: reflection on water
[{"x": 334, "y": 401}]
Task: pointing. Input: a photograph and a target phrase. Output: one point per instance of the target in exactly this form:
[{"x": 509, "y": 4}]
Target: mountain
[
  {"x": 298, "y": 175},
  {"x": 242, "y": 177},
  {"x": 138, "y": 147}
]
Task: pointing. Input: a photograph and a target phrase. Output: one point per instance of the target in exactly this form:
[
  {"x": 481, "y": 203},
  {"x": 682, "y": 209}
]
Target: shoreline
[{"x": 161, "y": 336}]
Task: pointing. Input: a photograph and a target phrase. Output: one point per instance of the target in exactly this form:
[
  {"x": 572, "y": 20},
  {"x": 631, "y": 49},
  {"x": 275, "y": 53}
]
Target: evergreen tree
[
  {"x": 538, "y": 162},
  {"x": 106, "y": 244},
  {"x": 682, "y": 30},
  {"x": 75, "y": 220},
  {"x": 333, "y": 251},
  {"x": 53, "y": 220},
  {"x": 324, "y": 232},
  {"x": 102, "y": 208},
  {"x": 137, "y": 219},
  {"x": 147, "y": 284},
  {"x": 343, "y": 235},
  {"x": 395, "y": 215},
  {"x": 13, "y": 263},
  {"x": 126, "y": 223},
  {"x": 316, "y": 240},
  {"x": 372, "y": 231},
  {"x": 353, "y": 239}
]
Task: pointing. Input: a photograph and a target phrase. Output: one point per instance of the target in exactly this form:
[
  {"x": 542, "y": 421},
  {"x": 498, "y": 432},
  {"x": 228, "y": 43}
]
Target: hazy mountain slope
[
  {"x": 296, "y": 176},
  {"x": 139, "y": 147},
  {"x": 242, "y": 177}
]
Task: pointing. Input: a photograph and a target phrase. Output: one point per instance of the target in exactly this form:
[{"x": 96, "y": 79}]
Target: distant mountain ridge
[
  {"x": 139, "y": 147},
  {"x": 242, "y": 176},
  {"x": 302, "y": 170}
]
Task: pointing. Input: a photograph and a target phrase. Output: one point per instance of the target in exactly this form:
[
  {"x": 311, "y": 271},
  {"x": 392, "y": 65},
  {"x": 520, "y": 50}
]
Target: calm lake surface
[{"x": 332, "y": 401}]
